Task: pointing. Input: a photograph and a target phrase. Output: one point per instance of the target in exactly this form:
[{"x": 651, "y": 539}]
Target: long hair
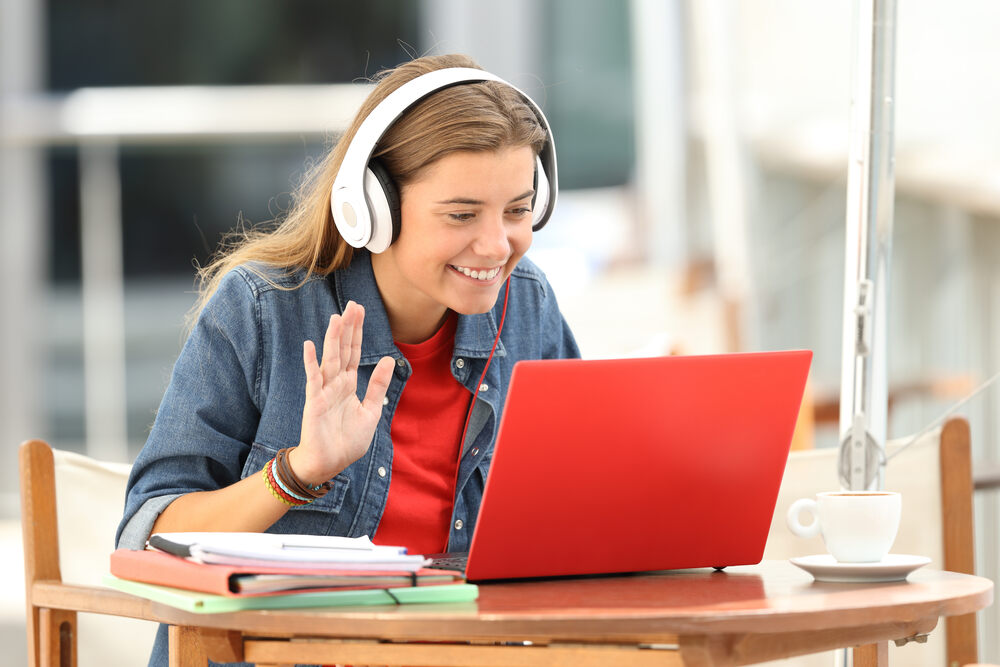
[{"x": 482, "y": 116}]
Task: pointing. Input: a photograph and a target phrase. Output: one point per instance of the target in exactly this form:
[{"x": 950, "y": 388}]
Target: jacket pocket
[{"x": 318, "y": 517}]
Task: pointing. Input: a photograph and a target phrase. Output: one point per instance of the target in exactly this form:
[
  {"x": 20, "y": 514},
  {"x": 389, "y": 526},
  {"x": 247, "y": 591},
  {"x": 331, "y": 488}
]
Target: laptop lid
[{"x": 627, "y": 465}]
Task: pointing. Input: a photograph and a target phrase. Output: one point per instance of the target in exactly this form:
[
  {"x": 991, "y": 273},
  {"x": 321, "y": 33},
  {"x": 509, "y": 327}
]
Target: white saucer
[{"x": 894, "y": 567}]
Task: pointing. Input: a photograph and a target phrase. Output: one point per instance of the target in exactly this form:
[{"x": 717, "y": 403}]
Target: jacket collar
[{"x": 474, "y": 335}]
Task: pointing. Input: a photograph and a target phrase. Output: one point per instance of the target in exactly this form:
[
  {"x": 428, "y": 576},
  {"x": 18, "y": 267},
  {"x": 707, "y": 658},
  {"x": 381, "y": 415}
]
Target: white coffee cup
[{"x": 857, "y": 526}]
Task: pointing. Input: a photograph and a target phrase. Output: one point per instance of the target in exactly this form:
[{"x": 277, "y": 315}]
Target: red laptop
[{"x": 630, "y": 465}]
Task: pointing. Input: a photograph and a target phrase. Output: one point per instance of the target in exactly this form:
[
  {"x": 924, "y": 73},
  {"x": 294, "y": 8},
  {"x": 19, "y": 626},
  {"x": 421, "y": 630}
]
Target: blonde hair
[{"x": 484, "y": 116}]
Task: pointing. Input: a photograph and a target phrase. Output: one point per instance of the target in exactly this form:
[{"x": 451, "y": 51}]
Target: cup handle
[{"x": 800, "y": 529}]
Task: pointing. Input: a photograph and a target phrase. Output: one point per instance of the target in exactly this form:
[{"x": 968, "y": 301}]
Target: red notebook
[{"x": 156, "y": 567}]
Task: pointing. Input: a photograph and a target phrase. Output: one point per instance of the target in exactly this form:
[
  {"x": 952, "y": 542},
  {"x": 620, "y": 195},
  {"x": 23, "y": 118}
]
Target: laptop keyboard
[{"x": 448, "y": 561}]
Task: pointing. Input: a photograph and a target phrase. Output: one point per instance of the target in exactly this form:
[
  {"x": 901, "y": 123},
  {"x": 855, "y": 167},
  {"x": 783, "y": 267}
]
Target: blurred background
[{"x": 702, "y": 150}]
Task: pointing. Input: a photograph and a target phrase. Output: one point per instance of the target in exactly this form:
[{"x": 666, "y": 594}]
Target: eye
[
  {"x": 461, "y": 217},
  {"x": 520, "y": 211}
]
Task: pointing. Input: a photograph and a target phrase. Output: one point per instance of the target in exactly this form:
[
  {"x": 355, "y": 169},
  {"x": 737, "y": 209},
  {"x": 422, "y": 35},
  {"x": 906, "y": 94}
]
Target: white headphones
[{"x": 365, "y": 201}]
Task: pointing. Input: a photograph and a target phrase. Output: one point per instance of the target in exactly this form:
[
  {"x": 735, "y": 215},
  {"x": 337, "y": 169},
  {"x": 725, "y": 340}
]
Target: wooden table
[{"x": 740, "y": 616}]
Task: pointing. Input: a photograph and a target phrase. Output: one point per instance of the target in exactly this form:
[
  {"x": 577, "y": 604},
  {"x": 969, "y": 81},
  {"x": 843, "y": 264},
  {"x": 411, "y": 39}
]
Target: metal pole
[
  {"x": 864, "y": 392},
  {"x": 23, "y": 257},
  {"x": 728, "y": 196},
  {"x": 660, "y": 127},
  {"x": 103, "y": 287}
]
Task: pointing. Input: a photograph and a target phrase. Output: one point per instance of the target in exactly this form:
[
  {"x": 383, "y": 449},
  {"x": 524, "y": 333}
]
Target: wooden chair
[
  {"x": 81, "y": 519},
  {"x": 935, "y": 477}
]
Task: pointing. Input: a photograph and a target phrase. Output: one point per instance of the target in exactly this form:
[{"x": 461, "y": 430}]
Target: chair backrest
[
  {"x": 70, "y": 508},
  {"x": 934, "y": 476}
]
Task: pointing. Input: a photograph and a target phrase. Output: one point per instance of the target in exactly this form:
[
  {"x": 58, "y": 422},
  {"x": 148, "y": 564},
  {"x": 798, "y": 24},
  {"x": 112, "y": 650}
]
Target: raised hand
[{"x": 337, "y": 428}]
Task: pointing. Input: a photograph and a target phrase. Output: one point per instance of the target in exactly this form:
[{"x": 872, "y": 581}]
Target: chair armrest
[{"x": 90, "y": 599}]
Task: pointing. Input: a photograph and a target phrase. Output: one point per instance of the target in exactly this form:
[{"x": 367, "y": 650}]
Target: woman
[{"x": 382, "y": 421}]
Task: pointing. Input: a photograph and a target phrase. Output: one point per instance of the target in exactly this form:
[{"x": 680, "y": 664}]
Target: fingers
[
  {"x": 350, "y": 334},
  {"x": 379, "y": 384},
  {"x": 347, "y": 334},
  {"x": 342, "y": 343},
  {"x": 314, "y": 378},
  {"x": 354, "y": 358},
  {"x": 331, "y": 348}
]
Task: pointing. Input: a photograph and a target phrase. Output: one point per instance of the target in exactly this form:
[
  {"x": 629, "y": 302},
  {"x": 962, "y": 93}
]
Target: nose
[{"x": 493, "y": 240}]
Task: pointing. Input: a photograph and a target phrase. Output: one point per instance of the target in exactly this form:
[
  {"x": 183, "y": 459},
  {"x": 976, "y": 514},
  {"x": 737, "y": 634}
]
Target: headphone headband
[{"x": 351, "y": 197}]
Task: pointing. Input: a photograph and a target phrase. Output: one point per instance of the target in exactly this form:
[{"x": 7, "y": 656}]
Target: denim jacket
[{"x": 238, "y": 388}]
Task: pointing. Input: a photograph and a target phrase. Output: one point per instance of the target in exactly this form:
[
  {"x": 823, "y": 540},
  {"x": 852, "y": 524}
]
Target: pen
[{"x": 289, "y": 545}]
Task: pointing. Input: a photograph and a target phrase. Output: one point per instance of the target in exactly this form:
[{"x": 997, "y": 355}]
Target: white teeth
[{"x": 484, "y": 274}]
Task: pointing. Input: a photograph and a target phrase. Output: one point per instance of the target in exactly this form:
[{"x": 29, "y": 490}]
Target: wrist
[
  {"x": 298, "y": 487},
  {"x": 310, "y": 474}
]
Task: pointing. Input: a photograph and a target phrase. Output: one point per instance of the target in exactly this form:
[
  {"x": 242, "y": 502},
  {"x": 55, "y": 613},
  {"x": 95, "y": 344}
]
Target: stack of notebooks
[{"x": 222, "y": 572}]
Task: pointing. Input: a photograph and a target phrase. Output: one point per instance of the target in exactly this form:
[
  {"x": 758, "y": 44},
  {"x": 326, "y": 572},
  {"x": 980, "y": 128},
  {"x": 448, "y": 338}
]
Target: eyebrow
[{"x": 479, "y": 202}]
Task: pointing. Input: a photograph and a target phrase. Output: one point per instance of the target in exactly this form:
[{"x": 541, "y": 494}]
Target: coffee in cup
[{"x": 857, "y": 526}]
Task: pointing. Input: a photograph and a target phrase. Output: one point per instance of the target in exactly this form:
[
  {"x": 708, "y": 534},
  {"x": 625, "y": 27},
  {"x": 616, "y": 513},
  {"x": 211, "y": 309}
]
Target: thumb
[{"x": 378, "y": 385}]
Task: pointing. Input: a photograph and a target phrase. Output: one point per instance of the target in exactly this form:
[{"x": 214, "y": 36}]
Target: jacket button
[
  {"x": 381, "y": 471},
  {"x": 458, "y": 524},
  {"x": 484, "y": 387},
  {"x": 401, "y": 362},
  {"x": 475, "y": 451},
  {"x": 385, "y": 400},
  {"x": 460, "y": 363}
]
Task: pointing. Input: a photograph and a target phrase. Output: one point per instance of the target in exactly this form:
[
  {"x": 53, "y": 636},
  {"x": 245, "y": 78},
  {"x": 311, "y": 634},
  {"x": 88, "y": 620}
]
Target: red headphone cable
[{"x": 472, "y": 405}]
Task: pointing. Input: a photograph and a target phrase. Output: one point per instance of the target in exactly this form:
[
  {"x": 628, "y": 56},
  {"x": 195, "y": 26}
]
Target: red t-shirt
[{"x": 426, "y": 429}]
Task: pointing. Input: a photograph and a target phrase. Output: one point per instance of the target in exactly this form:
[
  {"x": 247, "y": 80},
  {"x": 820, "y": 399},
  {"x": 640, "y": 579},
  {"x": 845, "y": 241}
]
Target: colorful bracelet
[
  {"x": 285, "y": 490},
  {"x": 270, "y": 487},
  {"x": 275, "y": 490},
  {"x": 284, "y": 470},
  {"x": 293, "y": 482},
  {"x": 281, "y": 486}
]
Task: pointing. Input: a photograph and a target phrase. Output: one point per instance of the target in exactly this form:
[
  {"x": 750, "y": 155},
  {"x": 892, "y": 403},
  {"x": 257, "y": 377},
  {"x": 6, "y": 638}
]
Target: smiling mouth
[{"x": 478, "y": 274}]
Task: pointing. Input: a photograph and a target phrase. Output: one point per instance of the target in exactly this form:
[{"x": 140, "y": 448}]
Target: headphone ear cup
[
  {"x": 540, "y": 202},
  {"x": 383, "y": 202}
]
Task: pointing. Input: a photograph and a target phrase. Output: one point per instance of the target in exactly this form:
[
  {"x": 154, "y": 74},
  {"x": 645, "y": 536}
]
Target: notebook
[
  {"x": 627, "y": 465},
  {"x": 210, "y": 603}
]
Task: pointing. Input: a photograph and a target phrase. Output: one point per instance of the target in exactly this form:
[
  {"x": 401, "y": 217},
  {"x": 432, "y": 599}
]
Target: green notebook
[{"x": 208, "y": 603}]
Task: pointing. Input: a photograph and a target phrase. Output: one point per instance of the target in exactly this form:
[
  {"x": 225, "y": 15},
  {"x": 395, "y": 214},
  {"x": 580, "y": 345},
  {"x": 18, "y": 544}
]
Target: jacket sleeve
[
  {"x": 209, "y": 414},
  {"x": 559, "y": 343},
  {"x": 555, "y": 337}
]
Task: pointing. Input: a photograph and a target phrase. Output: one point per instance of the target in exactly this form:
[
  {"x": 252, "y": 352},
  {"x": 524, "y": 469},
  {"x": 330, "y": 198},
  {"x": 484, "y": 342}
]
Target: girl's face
[{"x": 466, "y": 221}]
